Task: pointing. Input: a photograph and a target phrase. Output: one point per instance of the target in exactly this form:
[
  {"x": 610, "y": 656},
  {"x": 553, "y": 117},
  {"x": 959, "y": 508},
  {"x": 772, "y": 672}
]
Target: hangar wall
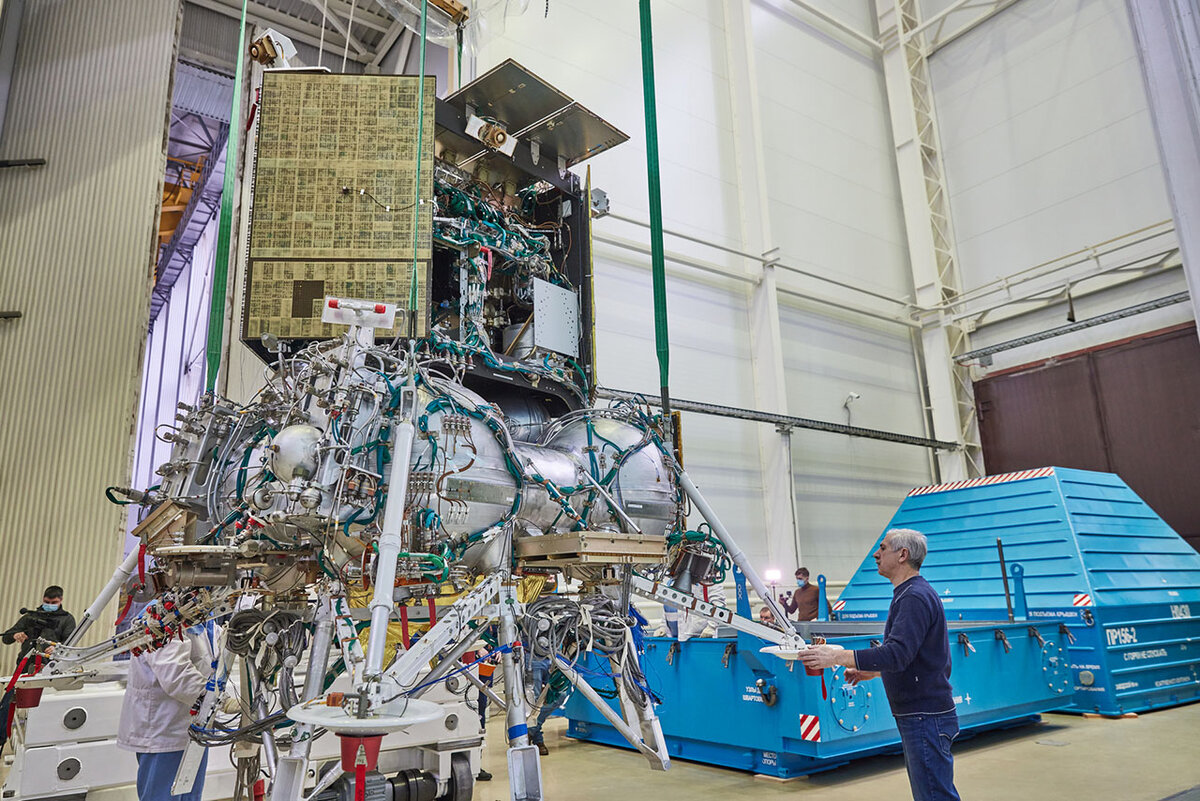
[
  {"x": 1050, "y": 150},
  {"x": 90, "y": 94}
]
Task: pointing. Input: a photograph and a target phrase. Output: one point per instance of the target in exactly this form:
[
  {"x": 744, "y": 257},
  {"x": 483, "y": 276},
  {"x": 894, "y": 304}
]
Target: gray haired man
[{"x": 914, "y": 662}]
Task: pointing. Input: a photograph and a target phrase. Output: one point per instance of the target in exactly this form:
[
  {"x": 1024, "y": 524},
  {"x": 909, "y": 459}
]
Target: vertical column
[
  {"x": 929, "y": 232},
  {"x": 1168, "y": 42},
  {"x": 766, "y": 341}
]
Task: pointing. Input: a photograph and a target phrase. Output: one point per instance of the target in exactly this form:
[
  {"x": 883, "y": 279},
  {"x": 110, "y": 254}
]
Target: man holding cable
[{"x": 914, "y": 662}]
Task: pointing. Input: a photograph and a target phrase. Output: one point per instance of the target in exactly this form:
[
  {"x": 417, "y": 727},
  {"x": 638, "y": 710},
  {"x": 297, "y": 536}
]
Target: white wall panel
[
  {"x": 832, "y": 175},
  {"x": 834, "y": 209},
  {"x": 1049, "y": 149},
  {"x": 846, "y": 488},
  {"x": 90, "y": 94}
]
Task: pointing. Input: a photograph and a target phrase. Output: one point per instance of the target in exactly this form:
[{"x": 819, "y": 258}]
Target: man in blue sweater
[{"x": 914, "y": 662}]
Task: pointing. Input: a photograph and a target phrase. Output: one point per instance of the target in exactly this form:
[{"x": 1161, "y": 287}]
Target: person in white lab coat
[{"x": 157, "y": 711}]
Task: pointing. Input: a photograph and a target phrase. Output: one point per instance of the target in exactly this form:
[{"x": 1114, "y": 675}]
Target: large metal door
[{"x": 1129, "y": 408}]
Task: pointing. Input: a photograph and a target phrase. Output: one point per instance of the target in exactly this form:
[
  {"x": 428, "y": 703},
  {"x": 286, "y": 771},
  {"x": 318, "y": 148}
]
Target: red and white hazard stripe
[
  {"x": 839, "y": 606},
  {"x": 1082, "y": 599},
  {"x": 1021, "y": 475},
  {"x": 810, "y": 728}
]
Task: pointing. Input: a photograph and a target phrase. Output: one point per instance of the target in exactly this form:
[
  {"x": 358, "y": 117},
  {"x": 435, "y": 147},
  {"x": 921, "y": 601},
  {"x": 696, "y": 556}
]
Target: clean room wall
[
  {"x": 834, "y": 210},
  {"x": 1049, "y": 149},
  {"x": 90, "y": 94}
]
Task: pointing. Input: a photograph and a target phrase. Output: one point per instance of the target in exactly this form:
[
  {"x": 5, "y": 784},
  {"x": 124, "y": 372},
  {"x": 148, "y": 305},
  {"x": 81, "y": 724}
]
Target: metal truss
[
  {"x": 935, "y": 28},
  {"x": 985, "y": 354},
  {"x": 930, "y": 233},
  {"x": 176, "y": 254},
  {"x": 364, "y": 29}
]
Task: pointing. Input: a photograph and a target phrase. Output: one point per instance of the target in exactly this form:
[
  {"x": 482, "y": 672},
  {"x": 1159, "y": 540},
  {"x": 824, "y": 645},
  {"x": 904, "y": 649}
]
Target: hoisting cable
[
  {"x": 216, "y": 309},
  {"x": 657, "y": 259},
  {"x": 412, "y": 288}
]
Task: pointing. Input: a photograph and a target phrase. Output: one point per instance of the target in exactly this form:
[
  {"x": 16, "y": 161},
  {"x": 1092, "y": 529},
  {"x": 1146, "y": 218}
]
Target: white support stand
[
  {"x": 289, "y": 770},
  {"x": 524, "y": 766}
]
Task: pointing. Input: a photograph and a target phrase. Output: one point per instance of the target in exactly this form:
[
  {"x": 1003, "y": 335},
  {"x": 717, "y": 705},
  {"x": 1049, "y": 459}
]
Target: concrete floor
[{"x": 1148, "y": 758}]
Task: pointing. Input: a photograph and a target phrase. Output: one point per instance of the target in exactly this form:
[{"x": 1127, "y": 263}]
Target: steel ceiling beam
[
  {"x": 362, "y": 14},
  {"x": 838, "y": 24},
  {"x": 300, "y": 30},
  {"x": 177, "y": 253},
  {"x": 389, "y": 39},
  {"x": 341, "y": 27}
]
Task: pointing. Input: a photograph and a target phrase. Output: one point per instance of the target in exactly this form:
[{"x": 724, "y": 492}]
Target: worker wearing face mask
[
  {"x": 803, "y": 601},
  {"x": 48, "y": 621}
]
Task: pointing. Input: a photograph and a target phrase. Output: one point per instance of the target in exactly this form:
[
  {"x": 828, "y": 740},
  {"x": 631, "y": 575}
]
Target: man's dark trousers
[{"x": 926, "y": 740}]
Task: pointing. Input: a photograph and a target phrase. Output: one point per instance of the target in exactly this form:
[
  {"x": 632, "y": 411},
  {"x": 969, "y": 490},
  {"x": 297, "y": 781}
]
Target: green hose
[
  {"x": 657, "y": 261},
  {"x": 216, "y": 309}
]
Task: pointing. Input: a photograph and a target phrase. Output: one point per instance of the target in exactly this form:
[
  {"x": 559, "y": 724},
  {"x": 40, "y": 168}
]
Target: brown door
[{"x": 1130, "y": 408}]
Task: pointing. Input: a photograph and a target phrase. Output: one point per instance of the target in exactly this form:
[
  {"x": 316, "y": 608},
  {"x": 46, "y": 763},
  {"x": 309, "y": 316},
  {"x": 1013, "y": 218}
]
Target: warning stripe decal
[
  {"x": 839, "y": 606},
  {"x": 1082, "y": 599},
  {"x": 810, "y": 728},
  {"x": 984, "y": 481}
]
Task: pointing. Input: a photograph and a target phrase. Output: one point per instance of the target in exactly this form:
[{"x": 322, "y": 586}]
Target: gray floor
[{"x": 1148, "y": 758}]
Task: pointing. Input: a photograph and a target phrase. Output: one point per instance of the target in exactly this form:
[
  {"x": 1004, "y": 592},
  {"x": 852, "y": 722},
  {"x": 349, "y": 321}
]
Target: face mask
[
  {"x": 801, "y": 582},
  {"x": 50, "y": 607}
]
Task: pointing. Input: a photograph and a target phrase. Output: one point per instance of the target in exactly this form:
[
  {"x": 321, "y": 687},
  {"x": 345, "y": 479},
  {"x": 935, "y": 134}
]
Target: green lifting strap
[
  {"x": 657, "y": 262},
  {"x": 412, "y": 289},
  {"x": 216, "y": 313}
]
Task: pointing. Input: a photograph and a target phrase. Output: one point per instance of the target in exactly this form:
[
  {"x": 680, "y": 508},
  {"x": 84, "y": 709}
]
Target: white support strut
[
  {"x": 659, "y": 760},
  {"x": 119, "y": 577},
  {"x": 405, "y": 670},
  {"x": 735, "y": 552},
  {"x": 289, "y": 771},
  {"x": 687, "y": 602},
  {"x": 390, "y": 545}
]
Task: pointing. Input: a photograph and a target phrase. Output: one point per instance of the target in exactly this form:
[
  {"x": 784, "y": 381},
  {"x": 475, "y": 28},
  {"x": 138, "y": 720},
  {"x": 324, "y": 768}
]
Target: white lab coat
[{"x": 162, "y": 686}]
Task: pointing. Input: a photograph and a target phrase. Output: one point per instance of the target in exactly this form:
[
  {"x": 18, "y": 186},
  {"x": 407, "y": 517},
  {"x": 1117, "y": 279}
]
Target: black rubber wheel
[{"x": 462, "y": 780}]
